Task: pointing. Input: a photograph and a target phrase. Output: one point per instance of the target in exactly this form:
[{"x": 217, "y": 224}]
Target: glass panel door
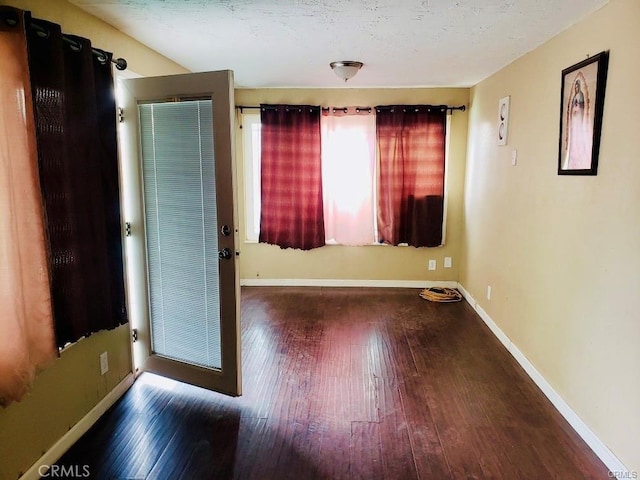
[{"x": 178, "y": 155}]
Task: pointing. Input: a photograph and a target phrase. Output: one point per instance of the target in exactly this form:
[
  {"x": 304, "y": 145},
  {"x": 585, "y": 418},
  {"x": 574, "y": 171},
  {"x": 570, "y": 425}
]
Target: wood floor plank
[
  {"x": 332, "y": 440},
  {"x": 334, "y": 357},
  {"x": 397, "y": 454},
  {"x": 365, "y": 451},
  {"x": 423, "y": 434},
  {"x": 364, "y": 392},
  {"x": 345, "y": 383}
]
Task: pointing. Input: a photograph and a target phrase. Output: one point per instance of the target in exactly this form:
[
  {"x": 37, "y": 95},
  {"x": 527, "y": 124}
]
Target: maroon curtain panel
[
  {"x": 77, "y": 154},
  {"x": 291, "y": 179},
  {"x": 411, "y": 146}
]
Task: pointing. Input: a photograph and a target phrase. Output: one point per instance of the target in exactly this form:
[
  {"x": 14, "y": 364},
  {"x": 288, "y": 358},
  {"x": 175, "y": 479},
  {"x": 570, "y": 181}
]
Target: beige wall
[
  {"x": 61, "y": 396},
  {"x": 69, "y": 389},
  {"x": 259, "y": 261},
  {"x": 561, "y": 253},
  {"x": 141, "y": 59}
]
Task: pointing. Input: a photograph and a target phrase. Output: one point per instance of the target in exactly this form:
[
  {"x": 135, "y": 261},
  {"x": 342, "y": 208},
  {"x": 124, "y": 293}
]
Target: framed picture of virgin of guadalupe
[{"x": 582, "y": 97}]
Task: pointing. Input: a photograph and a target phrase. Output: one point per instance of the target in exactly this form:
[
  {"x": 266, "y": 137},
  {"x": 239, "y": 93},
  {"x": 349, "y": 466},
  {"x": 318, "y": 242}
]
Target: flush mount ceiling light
[{"x": 345, "y": 69}]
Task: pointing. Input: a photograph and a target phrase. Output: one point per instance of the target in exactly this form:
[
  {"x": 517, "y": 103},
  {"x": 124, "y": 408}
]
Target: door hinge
[
  {"x": 120, "y": 114},
  {"x": 127, "y": 229},
  {"x": 134, "y": 335}
]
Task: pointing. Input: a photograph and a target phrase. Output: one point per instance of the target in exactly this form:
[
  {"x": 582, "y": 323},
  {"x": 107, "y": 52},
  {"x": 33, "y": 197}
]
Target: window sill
[{"x": 334, "y": 244}]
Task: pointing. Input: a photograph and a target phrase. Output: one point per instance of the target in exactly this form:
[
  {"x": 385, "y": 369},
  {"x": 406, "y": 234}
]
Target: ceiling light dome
[{"x": 345, "y": 69}]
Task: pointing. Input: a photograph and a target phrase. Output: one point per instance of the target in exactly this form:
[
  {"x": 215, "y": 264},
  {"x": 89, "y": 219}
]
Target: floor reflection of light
[
  {"x": 141, "y": 426},
  {"x": 376, "y": 350},
  {"x": 157, "y": 381},
  {"x": 261, "y": 344}
]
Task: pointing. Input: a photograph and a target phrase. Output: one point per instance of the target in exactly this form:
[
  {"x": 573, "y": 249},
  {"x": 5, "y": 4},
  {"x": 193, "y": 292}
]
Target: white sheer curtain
[{"x": 348, "y": 163}]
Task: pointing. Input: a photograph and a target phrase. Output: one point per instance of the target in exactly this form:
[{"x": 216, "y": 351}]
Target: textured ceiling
[{"x": 290, "y": 43}]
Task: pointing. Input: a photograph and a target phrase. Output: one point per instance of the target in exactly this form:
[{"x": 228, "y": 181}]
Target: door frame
[{"x": 219, "y": 87}]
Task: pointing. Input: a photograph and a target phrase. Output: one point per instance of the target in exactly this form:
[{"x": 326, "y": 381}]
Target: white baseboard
[
  {"x": 73, "y": 435},
  {"x": 319, "y": 282},
  {"x": 615, "y": 466}
]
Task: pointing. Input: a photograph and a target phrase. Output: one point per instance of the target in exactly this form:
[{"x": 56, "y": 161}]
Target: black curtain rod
[
  {"x": 462, "y": 108},
  {"x": 101, "y": 55}
]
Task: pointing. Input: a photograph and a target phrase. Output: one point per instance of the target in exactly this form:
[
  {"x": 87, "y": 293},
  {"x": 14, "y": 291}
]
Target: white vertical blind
[{"x": 182, "y": 230}]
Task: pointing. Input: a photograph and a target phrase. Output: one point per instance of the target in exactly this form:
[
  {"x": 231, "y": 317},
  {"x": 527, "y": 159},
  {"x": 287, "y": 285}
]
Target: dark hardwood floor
[{"x": 346, "y": 384}]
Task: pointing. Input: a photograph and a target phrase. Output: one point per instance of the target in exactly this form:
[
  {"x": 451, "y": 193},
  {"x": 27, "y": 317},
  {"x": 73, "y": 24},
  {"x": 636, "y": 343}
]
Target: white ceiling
[{"x": 290, "y": 43}]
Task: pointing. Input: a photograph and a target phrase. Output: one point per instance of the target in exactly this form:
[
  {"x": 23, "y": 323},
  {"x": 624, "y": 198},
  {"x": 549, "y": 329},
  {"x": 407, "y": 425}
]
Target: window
[
  {"x": 251, "y": 148},
  {"x": 349, "y": 171},
  {"x": 348, "y": 177}
]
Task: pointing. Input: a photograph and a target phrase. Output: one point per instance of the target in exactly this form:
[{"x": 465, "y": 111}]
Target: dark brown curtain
[
  {"x": 27, "y": 342},
  {"x": 77, "y": 154},
  {"x": 411, "y": 146},
  {"x": 110, "y": 176},
  {"x": 291, "y": 177}
]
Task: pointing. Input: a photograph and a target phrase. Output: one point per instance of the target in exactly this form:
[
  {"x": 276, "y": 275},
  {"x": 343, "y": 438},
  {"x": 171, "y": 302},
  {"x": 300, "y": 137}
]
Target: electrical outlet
[
  {"x": 488, "y": 292},
  {"x": 447, "y": 262},
  {"x": 104, "y": 363},
  {"x": 432, "y": 264}
]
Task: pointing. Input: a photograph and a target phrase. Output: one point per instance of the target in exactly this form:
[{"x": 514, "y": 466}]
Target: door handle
[{"x": 224, "y": 254}]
